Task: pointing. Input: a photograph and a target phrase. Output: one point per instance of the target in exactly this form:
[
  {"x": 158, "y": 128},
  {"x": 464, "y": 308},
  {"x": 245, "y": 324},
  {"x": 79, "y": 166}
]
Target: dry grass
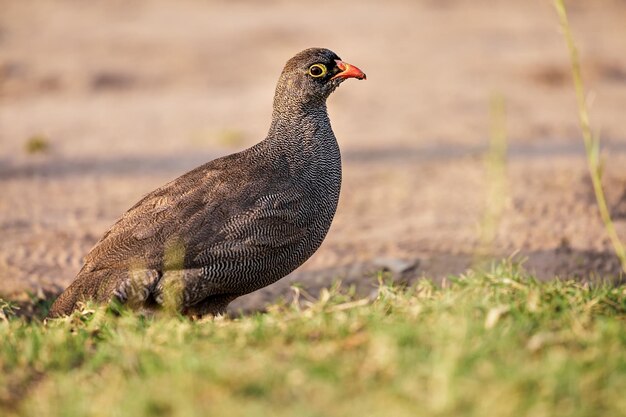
[{"x": 592, "y": 141}]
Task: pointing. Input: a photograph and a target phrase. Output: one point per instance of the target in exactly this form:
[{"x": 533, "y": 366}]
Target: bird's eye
[{"x": 317, "y": 70}]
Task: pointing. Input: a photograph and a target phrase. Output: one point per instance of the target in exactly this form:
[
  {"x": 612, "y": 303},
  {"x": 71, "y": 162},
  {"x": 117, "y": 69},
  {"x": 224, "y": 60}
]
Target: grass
[
  {"x": 496, "y": 181},
  {"x": 37, "y": 144},
  {"x": 227, "y": 137},
  {"x": 591, "y": 141},
  {"x": 498, "y": 343}
]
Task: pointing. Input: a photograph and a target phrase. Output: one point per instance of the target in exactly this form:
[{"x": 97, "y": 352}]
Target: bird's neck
[
  {"x": 303, "y": 128},
  {"x": 303, "y": 138},
  {"x": 298, "y": 118}
]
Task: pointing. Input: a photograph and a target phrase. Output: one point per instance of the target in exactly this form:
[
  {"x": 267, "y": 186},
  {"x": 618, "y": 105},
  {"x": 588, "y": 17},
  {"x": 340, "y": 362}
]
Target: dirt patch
[{"x": 130, "y": 96}]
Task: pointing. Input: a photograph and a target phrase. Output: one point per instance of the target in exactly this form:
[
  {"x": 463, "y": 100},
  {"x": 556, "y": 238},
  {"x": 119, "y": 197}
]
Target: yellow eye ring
[{"x": 317, "y": 70}]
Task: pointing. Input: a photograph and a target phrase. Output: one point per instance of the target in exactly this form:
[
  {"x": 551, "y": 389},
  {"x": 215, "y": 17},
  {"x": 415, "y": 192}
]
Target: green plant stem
[
  {"x": 496, "y": 178},
  {"x": 592, "y": 143}
]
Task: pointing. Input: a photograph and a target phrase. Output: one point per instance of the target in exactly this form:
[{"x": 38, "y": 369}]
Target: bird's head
[{"x": 313, "y": 74}]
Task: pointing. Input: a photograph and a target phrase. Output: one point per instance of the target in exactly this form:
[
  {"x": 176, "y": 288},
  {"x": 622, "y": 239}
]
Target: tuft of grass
[
  {"x": 231, "y": 138},
  {"x": 7, "y": 310},
  {"x": 592, "y": 141},
  {"x": 487, "y": 343},
  {"x": 226, "y": 137},
  {"x": 37, "y": 144}
]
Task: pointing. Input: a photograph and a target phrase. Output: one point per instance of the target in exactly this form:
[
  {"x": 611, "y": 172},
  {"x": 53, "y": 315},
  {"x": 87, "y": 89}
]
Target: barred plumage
[{"x": 235, "y": 224}]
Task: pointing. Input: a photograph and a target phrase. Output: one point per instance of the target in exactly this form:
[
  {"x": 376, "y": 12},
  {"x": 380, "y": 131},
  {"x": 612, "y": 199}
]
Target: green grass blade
[{"x": 592, "y": 143}]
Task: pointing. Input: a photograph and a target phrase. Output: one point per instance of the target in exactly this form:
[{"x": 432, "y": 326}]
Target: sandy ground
[{"x": 129, "y": 95}]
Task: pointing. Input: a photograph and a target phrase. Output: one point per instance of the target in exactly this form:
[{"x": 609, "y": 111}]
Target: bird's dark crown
[{"x": 305, "y": 59}]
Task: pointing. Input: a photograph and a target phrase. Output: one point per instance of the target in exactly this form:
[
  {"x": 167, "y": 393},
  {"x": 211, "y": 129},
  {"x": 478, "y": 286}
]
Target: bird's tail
[
  {"x": 86, "y": 286},
  {"x": 131, "y": 287}
]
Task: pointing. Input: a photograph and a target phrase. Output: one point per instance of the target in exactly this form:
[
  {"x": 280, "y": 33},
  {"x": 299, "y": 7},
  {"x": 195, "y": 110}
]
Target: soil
[{"x": 101, "y": 102}]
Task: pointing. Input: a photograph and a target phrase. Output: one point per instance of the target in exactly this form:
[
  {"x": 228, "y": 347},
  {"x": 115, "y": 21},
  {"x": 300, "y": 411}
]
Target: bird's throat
[{"x": 305, "y": 137}]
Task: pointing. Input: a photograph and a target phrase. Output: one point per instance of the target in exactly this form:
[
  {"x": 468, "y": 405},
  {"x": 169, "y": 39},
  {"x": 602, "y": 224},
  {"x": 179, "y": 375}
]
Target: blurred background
[{"x": 103, "y": 101}]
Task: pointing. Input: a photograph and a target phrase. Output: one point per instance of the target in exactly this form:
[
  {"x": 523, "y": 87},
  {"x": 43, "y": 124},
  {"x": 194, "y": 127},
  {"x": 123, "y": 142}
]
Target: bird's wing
[
  {"x": 208, "y": 208},
  {"x": 137, "y": 239},
  {"x": 274, "y": 222}
]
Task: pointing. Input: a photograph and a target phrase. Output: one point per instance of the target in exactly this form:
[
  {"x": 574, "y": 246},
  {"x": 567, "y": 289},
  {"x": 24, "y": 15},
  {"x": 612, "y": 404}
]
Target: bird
[{"x": 235, "y": 224}]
